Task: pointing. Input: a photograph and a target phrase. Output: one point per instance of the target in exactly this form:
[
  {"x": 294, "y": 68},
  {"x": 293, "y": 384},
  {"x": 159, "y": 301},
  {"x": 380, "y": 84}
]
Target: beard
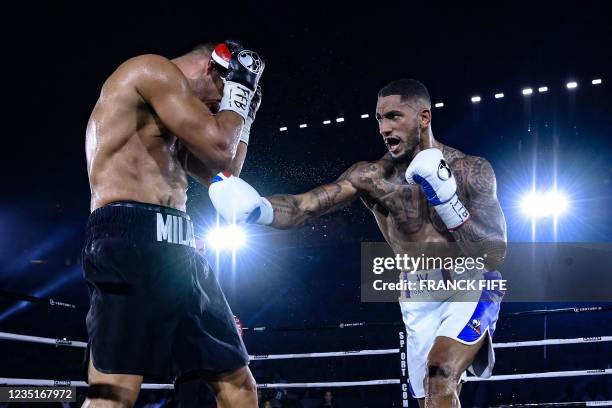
[{"x": 406, "y": 155}]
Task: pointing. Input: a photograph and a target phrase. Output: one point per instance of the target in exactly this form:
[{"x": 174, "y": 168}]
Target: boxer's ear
[
  {"x": 424, "y": 118},
  {"x": 209, "y": 66}
]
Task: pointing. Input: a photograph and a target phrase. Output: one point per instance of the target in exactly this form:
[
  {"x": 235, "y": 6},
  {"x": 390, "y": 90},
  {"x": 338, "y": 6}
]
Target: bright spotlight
[
  {"x": 527, "y": 91},
  {"x": 499, "y": 95},
  {"x": 439, "y": 105},
  {"x": 543, "y": 89},
  {"x": 225, "y": 237},
  {"x": 475, "y": 99},
  {"x": 596, "y": 81},
  {"x": 339, "y": 120},
  {"x": 544, "y": 204},
  {"x": 571, "y": 85},
  {"x": 283, "y": 128},
  {"x": 365, "y": 116},
  {"x": 326, "y": 122}
]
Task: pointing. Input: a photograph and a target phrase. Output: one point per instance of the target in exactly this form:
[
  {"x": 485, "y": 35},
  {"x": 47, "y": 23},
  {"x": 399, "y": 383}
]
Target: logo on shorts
[
  {"x": 175, "y": 230},
  {"x": 444, "y": 172},
  {"x": 474, "y": 324},
  {"x": 251, "y": 61}
]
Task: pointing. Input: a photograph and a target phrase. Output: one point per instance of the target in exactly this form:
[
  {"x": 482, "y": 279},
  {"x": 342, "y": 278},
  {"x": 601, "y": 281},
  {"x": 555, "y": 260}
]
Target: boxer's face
[
  {"x": 211, "y": 88},
  {"x": 399, "y": 125}
]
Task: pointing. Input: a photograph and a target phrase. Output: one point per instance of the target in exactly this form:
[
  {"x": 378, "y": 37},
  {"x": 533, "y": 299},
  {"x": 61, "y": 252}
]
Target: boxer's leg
[
  {"x": 446, "y": 362},
  {"x": 236, "y": 389},
  {"x": 111, "y": 390}
]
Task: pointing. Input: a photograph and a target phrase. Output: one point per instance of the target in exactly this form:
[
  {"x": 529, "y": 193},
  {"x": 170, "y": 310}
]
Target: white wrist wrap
[
  {"x": 236, "y": 98},
  {"x": 246, "y": 130},
  {"x": 267, "y": 212},
  {"x": 453, "y": 213}
]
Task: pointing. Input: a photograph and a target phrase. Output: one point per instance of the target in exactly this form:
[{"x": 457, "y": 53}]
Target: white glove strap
[
  {"x": 267, "y": 212},
  {"x": 246, "y": 130},
  {"x": 453, "y": 213},
  {"x": 236, "y": 98}
]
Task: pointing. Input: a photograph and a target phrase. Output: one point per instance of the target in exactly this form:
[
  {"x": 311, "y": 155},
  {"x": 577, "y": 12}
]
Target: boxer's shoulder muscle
[
  {"x": 474, "y": 174},
  {"x": 143, "y": 77}
]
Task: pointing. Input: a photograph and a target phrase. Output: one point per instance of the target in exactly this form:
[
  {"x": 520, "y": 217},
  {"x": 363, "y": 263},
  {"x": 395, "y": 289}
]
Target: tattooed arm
[
  {"x": 295, "y": 210},
  {"x": 485, "y": 231}
]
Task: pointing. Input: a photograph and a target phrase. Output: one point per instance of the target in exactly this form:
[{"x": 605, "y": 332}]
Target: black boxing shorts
[{"x": 155, "y": 304}]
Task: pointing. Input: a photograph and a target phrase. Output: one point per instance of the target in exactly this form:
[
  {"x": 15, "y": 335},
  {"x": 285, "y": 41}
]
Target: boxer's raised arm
[
  {"x": 202, "y": 173},
  {"x": 211, "y": 138},
  {"x": 295, "y": 210}
]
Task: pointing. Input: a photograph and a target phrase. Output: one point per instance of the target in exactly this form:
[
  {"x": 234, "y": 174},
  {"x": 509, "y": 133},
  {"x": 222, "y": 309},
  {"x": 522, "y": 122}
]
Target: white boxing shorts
[{"x": 464, "y": 321}]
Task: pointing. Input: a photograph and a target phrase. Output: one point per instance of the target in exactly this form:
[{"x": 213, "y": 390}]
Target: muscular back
[{"x": 130, "y": 154}]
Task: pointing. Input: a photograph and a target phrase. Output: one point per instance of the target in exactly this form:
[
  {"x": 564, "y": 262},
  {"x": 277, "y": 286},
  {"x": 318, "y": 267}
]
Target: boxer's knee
[
  {"x": 247, "y": 383},
  {"x": 441, "y": 380},
  {"x": 236, "y": 389}
]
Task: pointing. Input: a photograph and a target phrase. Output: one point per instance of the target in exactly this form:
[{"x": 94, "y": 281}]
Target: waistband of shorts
[
  {"x": 142, "y": 221},
  {"x": 135, "y": 208}
]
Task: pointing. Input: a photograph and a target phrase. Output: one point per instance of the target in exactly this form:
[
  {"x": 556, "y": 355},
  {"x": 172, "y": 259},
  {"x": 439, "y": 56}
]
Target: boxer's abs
[{"x": 129, "y": 158}]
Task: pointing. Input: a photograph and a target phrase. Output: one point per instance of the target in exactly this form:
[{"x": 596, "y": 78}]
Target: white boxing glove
[
  {"x": 237, "y": 202},
  {"x": 432, "y": 173}
]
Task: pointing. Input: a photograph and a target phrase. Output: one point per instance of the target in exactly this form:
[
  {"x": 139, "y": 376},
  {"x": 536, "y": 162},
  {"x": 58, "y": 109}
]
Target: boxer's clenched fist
[
  {"x": 432, "y": 173},
  {"x": 237, "y": 202}
]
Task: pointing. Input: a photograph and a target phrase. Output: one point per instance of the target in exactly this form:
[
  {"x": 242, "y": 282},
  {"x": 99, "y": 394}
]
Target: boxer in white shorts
[
  {"x": 421, "y": 191},
  {"x": 458, "y": 317}
]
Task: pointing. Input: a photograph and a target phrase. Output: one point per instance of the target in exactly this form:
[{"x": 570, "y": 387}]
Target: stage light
[
  {"x": 499, "y": 95},
  {"x": 365, "y": 116},
  {"x": 225, "y": 237},
  {"x": 340, "y": 120},
  {"x": 544, "y": 204},
  {"x": 283, "y": 128},
  {"x": 439, "y": 105},
  {"x": 527, "y": 91},
  {"x": 326, "y": 122},
  {"x": 303, "y": 125},
  {"x": 596, "y": 81},
  {"x": 543, "y": 89},
  {"x": 475, "y": 99},
  {"x": 571, "y": 85}
]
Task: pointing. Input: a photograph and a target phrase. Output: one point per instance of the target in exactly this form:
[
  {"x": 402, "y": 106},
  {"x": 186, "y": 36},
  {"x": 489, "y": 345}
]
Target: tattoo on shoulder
[
  {"x": 481, "y": 177},
  {"x": 451, "y": 154}
]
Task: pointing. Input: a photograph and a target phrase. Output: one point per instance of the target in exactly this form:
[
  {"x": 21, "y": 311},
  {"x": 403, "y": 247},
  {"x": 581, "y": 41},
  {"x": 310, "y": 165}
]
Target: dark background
[{"x": 323, "y": 61}]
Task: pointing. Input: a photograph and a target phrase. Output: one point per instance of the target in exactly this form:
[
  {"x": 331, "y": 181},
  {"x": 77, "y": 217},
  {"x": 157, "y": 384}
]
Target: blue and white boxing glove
[
  {"x": 432, "y": 173},
  {"x": 237, "y": 202}
]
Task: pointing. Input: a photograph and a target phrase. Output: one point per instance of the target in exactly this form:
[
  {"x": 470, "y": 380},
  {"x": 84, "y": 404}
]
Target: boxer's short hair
[
  {"x": 407, "y": 89},
  {"x": 204, "y": 48}
]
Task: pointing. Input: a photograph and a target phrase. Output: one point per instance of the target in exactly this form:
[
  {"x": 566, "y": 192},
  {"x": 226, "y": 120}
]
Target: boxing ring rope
[
  {"x": 65, "y": 383},
  {"x": 532, "y": 343},
  {"x": 573, "y": 373}
]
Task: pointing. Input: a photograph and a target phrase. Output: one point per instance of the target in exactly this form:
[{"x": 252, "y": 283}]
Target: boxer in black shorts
[{"x": 155, "y": 303}]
